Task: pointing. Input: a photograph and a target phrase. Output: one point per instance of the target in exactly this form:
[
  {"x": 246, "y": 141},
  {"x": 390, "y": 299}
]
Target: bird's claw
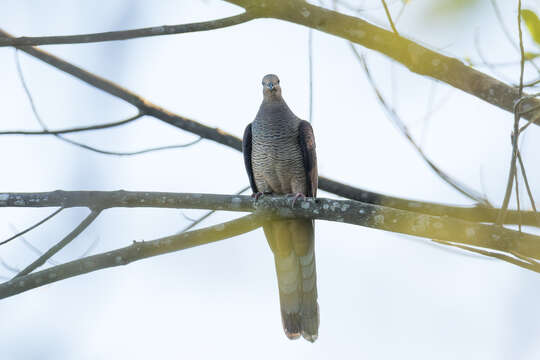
[
  {"x": 258, "y": 194},
  {"x": 296, "y": 197}
]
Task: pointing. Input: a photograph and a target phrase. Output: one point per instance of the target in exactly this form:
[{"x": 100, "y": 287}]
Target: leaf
[
  {"x": 531, "y": 55},
  {"x": 533, "y": 24}
]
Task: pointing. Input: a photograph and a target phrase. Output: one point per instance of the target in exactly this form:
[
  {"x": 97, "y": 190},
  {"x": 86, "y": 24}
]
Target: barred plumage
[{"x": 279, "y": 153}]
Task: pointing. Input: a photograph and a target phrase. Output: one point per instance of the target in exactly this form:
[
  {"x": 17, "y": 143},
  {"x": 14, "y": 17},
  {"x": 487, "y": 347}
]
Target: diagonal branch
[
  {"x": 128, "y": 254},
  {"x": 415, "y": 57},
  {"x": 32, "y": 227},
  {"x": 69, "y": 237},
  {"x": 394, "y": 118},
  {"x": 128, "y": 34}
]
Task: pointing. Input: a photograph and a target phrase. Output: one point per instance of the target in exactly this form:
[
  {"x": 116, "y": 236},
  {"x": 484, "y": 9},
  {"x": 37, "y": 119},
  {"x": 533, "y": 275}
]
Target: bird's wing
[
  {"x": 306, "y": 139},
  {"x": 246, "y": 150}
]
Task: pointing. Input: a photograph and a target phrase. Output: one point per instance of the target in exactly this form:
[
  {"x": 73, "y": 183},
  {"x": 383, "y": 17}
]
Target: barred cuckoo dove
[{"x": 279, "y": 155}]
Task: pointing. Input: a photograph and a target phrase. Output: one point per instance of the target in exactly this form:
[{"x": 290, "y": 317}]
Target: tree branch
[
  {"x": 128, "y": 199},
  {"x": 69, "y": 237},
  {"x": 522, "y": 245},
  {"x": 224, "y": 138},
  {"x": 415, "y": 57},
  {"x": 74, "y": 130},
  {"x": 128, "y": 254},
  {"x": 353, "y": 212},
  {"x": 128, "y": 34}
]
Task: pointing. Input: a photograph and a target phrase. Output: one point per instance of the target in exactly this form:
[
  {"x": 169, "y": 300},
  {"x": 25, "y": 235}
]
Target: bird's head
[{"x": 271, "y": 88}]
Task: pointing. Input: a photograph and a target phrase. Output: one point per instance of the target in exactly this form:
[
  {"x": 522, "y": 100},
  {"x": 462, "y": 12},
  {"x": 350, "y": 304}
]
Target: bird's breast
[{"x": 277, "y": 163}]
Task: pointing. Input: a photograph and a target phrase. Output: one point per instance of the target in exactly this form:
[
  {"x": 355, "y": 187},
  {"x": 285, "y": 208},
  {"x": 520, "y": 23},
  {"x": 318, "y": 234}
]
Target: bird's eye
[{"x": 278, "y": 82}]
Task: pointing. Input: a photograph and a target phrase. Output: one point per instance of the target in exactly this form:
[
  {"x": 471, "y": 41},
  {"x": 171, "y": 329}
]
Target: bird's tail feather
[{"x": 292, "y": 242}]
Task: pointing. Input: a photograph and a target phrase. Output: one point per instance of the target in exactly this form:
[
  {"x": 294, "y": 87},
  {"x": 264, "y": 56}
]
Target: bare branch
[
  {"x": 195, "y": 222},
  {"x": 353, "y": 212},
  {"x": 524, "y": 246},
  {"x": 128, "y": 199},
  {"x": 516, "y": 132},
  {"x": 128, "y": 254},
  {"x": 527, "y": 264},
  {"x": 507, "y": 33},
  {"x": 415, "y": 57},
  {"x": 396, "y": 120},
  {"x": 69, "y": 237},
  {"x": 73, "y": 130},
  {"x": 529, "y": 192},
  {"x": 33, "y": 226},
  {"x": 88, "y": 147},
  {"x": 130, "y": 153},
  {"x": 128, "y": 34}
]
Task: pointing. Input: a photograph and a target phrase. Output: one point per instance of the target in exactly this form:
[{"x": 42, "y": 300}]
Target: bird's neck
[{"x": 274, "y": 106}]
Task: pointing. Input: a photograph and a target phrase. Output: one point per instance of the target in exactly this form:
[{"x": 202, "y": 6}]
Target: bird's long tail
[{"x": 292, "y": 242}]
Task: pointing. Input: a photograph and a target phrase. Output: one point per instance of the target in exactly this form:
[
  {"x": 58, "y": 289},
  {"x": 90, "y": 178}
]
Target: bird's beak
[{"x": 270, "y": 86}]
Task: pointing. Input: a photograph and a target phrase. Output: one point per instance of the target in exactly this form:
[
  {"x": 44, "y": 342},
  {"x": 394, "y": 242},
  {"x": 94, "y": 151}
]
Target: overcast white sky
[{"x": 381, "y": 295}]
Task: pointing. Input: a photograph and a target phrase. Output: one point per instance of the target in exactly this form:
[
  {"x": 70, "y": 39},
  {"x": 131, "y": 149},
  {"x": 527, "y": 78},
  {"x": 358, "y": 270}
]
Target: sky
[{"x": 381, "y": 295}]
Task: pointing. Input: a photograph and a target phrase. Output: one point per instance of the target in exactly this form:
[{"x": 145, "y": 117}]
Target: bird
[{"x": 280, "y": 159}]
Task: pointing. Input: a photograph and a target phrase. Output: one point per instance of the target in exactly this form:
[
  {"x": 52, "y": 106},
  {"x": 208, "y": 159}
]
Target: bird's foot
[
  {"x": 296, "y": 197},
  {"x": 258, "y": 194}
]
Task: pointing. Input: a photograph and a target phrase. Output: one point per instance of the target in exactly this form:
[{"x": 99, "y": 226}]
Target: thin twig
[
  {"x": 130, "y": 153},
  {"x": 485, "y": 62},
  {"x": 33, "y": 226},
  {"x": 515, "y": 134},
  {"x": 195, "y": 222},
  {"x": 310, "y": 67},
  {"x": 66, "y": 240},
  {"x": 516, "y": 179},
  {"x": 84, "y": 146},
  {"x": 29, "y": 245},
  {"x": 9, "y": 267},
  {"x": 529, "y": 192},
  {"x": 90, "y": 248},
  {"x": 389, "y": 17},
  {"x": 73, "y": 130},
  {"x": 507, "y": 33},
  {"x": 394, "y": 117},
  {"x": 128, "y": 34},
  {"x": 528, "y": 263},
  {"x": 522, "y": 54}
]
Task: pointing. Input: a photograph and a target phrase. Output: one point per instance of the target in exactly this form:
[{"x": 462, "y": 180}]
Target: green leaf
[
  {"x": 531, "y": 55},
  {"x": 533, "y": 24}
]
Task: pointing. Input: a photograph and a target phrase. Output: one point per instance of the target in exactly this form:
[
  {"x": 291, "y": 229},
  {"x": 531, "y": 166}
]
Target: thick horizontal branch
[
  {"x": 512, "y": 243},
  {"x": 128, "y": 254},
  {"x": 122, "y": 198},
  {"x": 127, "y": 34},
  {"x": 353, "y": 212}
]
